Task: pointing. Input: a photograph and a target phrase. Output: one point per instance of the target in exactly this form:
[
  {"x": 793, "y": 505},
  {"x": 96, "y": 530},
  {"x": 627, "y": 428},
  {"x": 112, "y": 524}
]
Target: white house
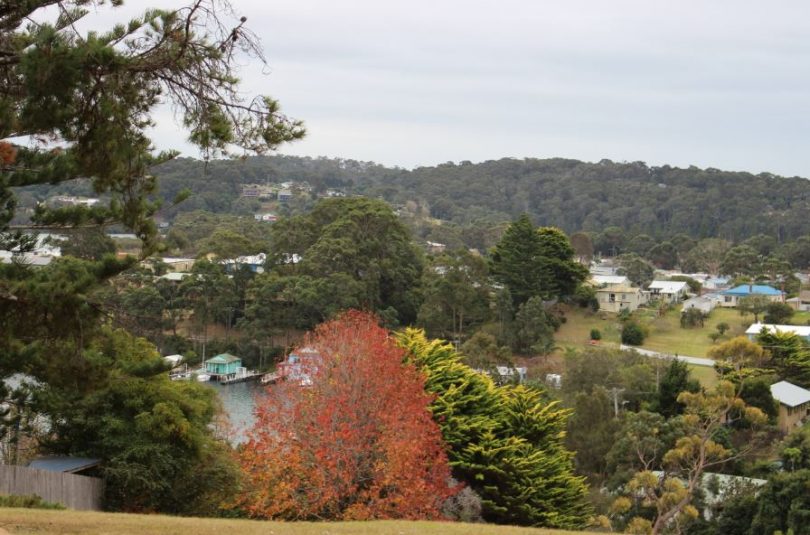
[
  {"x": 669, "y": 291},
  {"x": 802, "y": 331},
  {"x": 619, "y": 297},
  {"x": 610, "y": 280}
]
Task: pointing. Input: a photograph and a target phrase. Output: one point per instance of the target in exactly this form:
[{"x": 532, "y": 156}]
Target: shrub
[
  {"x": 30, "y": 501},
  {"x": 692, "y": 318},
  {"x": 632, "y": 334},
  {"x": 596, "y": 334}
]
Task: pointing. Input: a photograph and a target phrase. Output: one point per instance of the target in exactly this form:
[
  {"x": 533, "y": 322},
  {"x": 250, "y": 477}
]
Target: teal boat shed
[{"x": 223, "y": 364}]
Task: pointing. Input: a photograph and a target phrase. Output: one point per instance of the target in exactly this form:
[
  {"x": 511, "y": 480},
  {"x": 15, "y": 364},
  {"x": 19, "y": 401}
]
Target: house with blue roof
[{"x": 732, "y": 296}]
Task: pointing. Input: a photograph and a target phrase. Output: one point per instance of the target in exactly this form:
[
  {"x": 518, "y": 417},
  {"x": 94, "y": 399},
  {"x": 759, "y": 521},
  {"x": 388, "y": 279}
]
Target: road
[{"x": 697, "y": 361}]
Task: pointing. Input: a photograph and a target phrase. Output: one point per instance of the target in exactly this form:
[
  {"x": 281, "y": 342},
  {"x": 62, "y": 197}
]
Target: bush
[
  {"x": 692, "y": 318},
  {"x": 464, "y": 506},
  {"x": 31, "y": 501},
  {"x": 632, "y": 334},
  {"x": 596, "y": 334},
  {"x": 778, "y": 313}
]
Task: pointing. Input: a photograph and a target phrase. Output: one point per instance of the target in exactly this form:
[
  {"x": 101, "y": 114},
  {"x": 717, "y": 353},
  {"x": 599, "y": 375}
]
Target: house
[
  {"x": 224, "y": 364},
  {"x": 802, "y": 331},
  {"x": 509, "y": 374},
  {"x": 284, "y": 195},
  {"x": 802, "y": 302},
  {"x": 610, "y": 280},
  {"x": 731, "y": 298},
  {"x": 181, "y": 265},
  {"x": 175, "y": 277},
  {"x": 435, "y": 247},
  {"x": 65, "y": 465},
  {"x": 300, "y": 366},
  {"x": 668, "y": 291},
  {"x": 794, "y": 404},
  {"x": 173, "y": 360},
  {"x": 266, "y": 218},
  {"x": 619, "y": 297},
  {"x": 716, "y": 283},
  {"x": 704, "y": 303},
  {"x": 255, "y": 263}
]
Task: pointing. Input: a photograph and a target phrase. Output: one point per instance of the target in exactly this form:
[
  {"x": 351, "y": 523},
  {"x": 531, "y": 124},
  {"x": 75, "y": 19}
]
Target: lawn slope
[{"x": 44, "y": 522}]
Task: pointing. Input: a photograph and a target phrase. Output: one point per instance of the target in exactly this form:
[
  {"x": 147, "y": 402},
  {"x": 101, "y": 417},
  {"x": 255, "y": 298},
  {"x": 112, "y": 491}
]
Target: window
[
  {"x": 728, "y": 299},
  {"x": 612, "y": 298}
]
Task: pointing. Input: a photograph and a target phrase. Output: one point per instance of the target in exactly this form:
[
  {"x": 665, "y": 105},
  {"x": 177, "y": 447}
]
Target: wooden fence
[{"x": 75, "y": 492}]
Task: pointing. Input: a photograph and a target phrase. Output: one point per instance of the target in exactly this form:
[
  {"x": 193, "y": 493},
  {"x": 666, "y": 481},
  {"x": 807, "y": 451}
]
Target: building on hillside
[
  {"x": 794, "y": 404},
  {"x": 69, "y": 200},
  {"x": 731, "y": 297},
  {"x": 609, "y": 280},
  {"x": 619, "y": 297},
  {"x": 669, "y": 291},
  {"x": 802, "y": 302},
  {"x": 254, "y": 263},
  {"x": 509, "y": 374},
  {"x": 802, "y": 331},
  {"x": 716, "y": 283},
  {"x": 179, "y": 265},
  {"x": 704, "y": 303},
  {"x": 222, "y": 365},
  {"x": 285, "y": 195},
  {"x": 435, "y": 247},
  {"x": 257, "y": 191},
  {"x": 266, "y": 218}
]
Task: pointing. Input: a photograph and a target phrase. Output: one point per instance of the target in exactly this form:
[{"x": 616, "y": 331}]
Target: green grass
[
  {"x": 707, "y": 376},
  {"x": 665, "y": 332},
  {"x": 25, "y": 521},
  {"x": 800, "y": 318},
  {"x": 667, "y": 335}
]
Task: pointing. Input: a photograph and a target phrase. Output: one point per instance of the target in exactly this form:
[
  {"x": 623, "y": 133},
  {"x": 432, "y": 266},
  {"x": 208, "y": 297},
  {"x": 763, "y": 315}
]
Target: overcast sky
[{"x": 715, "y": 84}]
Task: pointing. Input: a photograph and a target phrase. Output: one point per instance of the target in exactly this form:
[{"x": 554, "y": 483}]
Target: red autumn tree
[{"x": 355, "y": 442}]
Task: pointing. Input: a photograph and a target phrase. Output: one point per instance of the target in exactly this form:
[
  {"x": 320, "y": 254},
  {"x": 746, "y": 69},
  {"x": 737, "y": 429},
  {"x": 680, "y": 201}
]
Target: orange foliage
[
  {"x": 359, "y": 443},
  {"x": 8, "y": 154}
]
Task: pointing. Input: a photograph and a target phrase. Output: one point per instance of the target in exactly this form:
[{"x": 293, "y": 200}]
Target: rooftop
[
  {"x": 798, "y": 330},
  {"x": 224, "y": 358},
  {"x": 609, "y": 279},
  {"x": 668, "y": 287},
  {"x": 64, "y": 464},
  {"x": 752, "y": 289},
  {"x": 789, "y": 394}
]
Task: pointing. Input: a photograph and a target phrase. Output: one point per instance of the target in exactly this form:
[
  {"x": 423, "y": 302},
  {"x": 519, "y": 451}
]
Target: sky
[{"x": 722, "y": 84}]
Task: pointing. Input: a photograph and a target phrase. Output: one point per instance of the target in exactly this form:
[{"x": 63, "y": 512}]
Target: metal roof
[
  {"x": 667, "y": 287},
  {"x": 64, "y": 464},
  {"x": 224, "y": 358},
  {"x": 752, "y": 289},
  {"x": 789, "y": 394},
  {"x": 798, "y": 330},
  {"x": 608, "y": 279}
]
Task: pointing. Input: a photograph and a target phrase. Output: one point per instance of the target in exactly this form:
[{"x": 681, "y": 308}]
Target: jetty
[{"x": 242, "y": 375}]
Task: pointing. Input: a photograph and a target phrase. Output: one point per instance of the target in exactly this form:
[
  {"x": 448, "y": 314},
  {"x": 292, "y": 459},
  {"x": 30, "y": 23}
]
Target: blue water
[{"x": 238, "y": 402}]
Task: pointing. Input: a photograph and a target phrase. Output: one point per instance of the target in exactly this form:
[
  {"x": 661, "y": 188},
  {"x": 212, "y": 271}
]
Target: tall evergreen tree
[
  {"x": 85, "y": 102},
  {"x": 505, "y": 442}
]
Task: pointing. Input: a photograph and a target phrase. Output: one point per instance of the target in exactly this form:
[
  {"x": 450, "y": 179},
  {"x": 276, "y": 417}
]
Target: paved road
[{"x": 697, "y": 361}]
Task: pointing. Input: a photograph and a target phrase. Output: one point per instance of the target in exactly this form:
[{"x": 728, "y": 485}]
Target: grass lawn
[
  {"x": 45, "y": 522},
  {"x": 667, "y": 336},
  {"x": 800, "y": 318},
  {"x": 576, "y": 331},
  {"x": 707, "y": 376}
]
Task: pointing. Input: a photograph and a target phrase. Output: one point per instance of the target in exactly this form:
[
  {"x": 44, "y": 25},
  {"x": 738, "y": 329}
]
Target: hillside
[
  {"x": 44, "y": 522},
  {"x": 574, "y": 195}
]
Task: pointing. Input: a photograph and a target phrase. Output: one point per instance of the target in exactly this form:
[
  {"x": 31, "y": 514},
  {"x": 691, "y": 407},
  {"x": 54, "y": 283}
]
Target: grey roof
[
  {"x": 64, "y": 464},
  {"x": 789, "y": 394}
]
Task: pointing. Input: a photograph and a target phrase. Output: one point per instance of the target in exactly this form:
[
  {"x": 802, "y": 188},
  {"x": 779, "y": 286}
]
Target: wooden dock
[
  {"x": 230, "y": 379},
  {"x": 270, "y": 378}
]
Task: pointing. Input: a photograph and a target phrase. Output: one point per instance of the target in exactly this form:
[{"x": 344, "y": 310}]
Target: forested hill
[{"x": 574, "y": 195}]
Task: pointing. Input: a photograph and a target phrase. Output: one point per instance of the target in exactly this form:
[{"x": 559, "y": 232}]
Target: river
[{"x": 238, "y": 401}]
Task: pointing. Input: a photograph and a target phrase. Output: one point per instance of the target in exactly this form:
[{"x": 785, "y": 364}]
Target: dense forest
[{"x": 570, "y": 194}]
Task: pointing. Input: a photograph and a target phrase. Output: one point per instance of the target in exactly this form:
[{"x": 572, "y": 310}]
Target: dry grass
[{"x": 40, "y": 522}]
